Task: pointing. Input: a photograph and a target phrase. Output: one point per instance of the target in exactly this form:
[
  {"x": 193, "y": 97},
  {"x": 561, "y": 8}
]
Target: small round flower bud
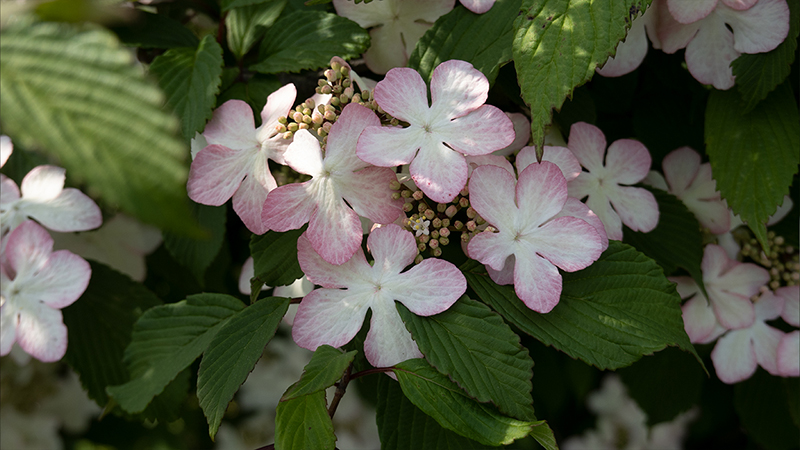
[
  {"x": 437, "y": 252},
  {"x": 471, "y": 213},
  {"x": 422, "y": 207},
  {"x": 307, "y": 120},
  {"x": 322, "y": 82},
  {"x": 303, "y": 126},
  {"x": 465, "y": 192},
  {"x": 345, "y": 71},
  {"x": 463, "y": 202},
  {"x": 418, "y": 259},
  {"x": 471, "y": 225},
  {"x": 444, "y": 240},
  {"x": 444, "y": 232},
  {"x": 408, "y": 207},
  {"x": 322, "y": 133},
  {"x": 297, "y": 116},
  {"x": 458, "y": 225},
  {"x": 465, "y": 237},
  {"x": 480, "y": 220},
  {"x": 356, "y": 99},
  {"x": 336, "y": 66},
  {"x": 433, "y": 243},
  {"x": 317, "y": 118},
  {"x": 283, "y": 120},
  {"x": 395, "y": 196},
  {"x": 280, "y": 128},
  {"x": 326, "y": 90},
  {"x": 310, "y": 104},
  {"x": 418, "y": 195},
  {"x": 434, "y": 234},
  {"x": 436, "y": 222},
  {"x": 394, "y": 122},
  {"x": 335, "y": 101},
  {"x": 445, "y": 223},
  {"x": 298, "y": 108},
  {"x": 346, "y": 82},
  {"x": 330, "y": 116},
  {"x": 343, "y": 99},
  {"x": 292, "y": 127},
  {"x": 365, "y": 94},
  {"x": 288, "y": 135},
  {"x": 337, "y": 90},
  {"x": 306, "y": 111},
  {"x": 395, "y": 185},
  {"x": 331, "y": 75},
  {"x": 406, "y": 193},
  {"x": 429, "y": 214},
  {"x": 450, "y": 211}
]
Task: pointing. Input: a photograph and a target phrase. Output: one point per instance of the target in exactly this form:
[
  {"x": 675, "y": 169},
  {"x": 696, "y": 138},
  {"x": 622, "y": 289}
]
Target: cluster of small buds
[{"x": 781, "y": 261}]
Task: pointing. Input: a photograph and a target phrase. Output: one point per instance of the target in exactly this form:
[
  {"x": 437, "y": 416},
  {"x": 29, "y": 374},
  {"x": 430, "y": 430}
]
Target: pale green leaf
[
  {"x": 753, "y": 155},
  {"x": 247, "y": 24},
  {"x": 233, "y": 353},
  {"x": 303, "y": 422},
  {"x": 166, "y": 339},
  {"x": 473, "y": 346},
  {"x": 484, "y": 40},
  {"x": 327, "y": 366},
  {"x": 544, "y": 435},
  {"x": 308, "y": 40},
  {"x": 197, "y": 254}
]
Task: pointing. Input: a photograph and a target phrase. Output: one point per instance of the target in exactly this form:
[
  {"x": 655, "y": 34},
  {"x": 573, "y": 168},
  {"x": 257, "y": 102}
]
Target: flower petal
[
  {"x": 492, "y": 190},
  {"x": 43, "y": 183},
  {"x": 600, "y": 205},
  {"x": 8, "y": 326},
  {"x": 368, "y": 193},
  {"x": 542, "y": 292},
  {"x": 627, "y": 161},
  {"x": 72, "y": 210},
  {"x": 334, "y": 229},
  {"x": 389, "y": 146},
  {"x": 574, "y": 208},
  {"x": 61, "y": 281},
  {"x": 392, "y": 247},
  {"x": 480, "y": 132},
  {"x": 248, "y": 202},
  {"x": 740, "y": 5},
  {"x": 278, "y": 105},
  {"x": 429, "y": 288},
  {"x": 789, "y": 355},
  {"x": 288, "y": 207},
  {"x": 388, "y": 341},
  {"x": 329, "y": 317},
  {"x": 541, "y": 192},
  {"x": 758, "y": 29},
  {"x": 734, "y": 357},
  {"x": 216, "y": 174},
  {"x": 232, "y": 126},
  {"x": 733, "y": 311},
  {"x": 9, "y": 192},
  {"x": 27, "y": 249},
  {"x": 387, "y": 48},
  {"x": 680, "y": 169},
  {"x": 329, "y": 275},
  {"x": 403, "y": 94},
  {"x": 560, "y": 156},
  {"x": 588, "y": 144},
  {"x": 304, "y": 154},
  {"x": 340, "y": 151},
  {"x": 6, "y": 148},
  {"x": 439, "y": 172},
  {"x": 506, "y": 275},
  {"x": 688, "y": 11},
  {"x": 630, "y": 53},
  {"x": 765, "y": 343},
  {"x": 698, "y": 318},
  {"x": 637, "y": 208},
  {"x": 571, "y": 244},
  {"x": 672, "y": 34},
  {"x": 457, "y": 88},
  {"x": 710, "y": 54},
  {"x": 41, "y": 332},
  {"x": 791, "y": 307},
  {"x": 478, "y": 6},
  {"x": 522, "y": 134},
  {"x": 491, "y": 249}
]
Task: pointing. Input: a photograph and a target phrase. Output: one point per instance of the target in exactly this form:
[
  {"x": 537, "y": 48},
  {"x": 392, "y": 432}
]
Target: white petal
[
  {"x": 734, "y": 357},
  {"x": 43, "y": 183},
  {"x": 41, "y": 332},
  {"x": 388, "y": 341}
]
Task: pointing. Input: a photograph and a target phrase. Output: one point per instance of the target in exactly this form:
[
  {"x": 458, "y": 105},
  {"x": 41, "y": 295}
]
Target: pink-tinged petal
[
  {"x": 506, "y": 275},
  {"x": 734, "y": 357},
  {"x": 491, "y": 249},
  {"x": 698, "y": 318},
  {"x": 718, "y": 331},
  {"x": 439, "y": 172},
  {"x": 788, "y": 351},
  {"x": 711, "y": 214},
  {"x": 392, "y": 248},
  {"x": 248, "y": 202},
  {"x": 637, "y": 208},
  {"x": 733, "y": 312},
  {"x": 672, "y": 34},
  {"x": 9, "y": 192},
  {"x": 710, "y": 54},
  {"x": 782, "y": 211},
  {"x": 403, "y": 94},
  {"x": 387, "y": 50},
  {"x": 304, "y": 154},
  {"x": 388, "y": 341},
  {"x": 334, "y": 229},
  {"x": 522, "y": 134},
  {"x": 574, "y": 208},
  {"x": 599, "y": 204},
  {"x": 680, "y": 169},
  {"x": 61, "y": 281},
  {"x": 70, "y": 211},
  {"x": 329, "y": 317},
  {"x": 569, "y": 243},
  {"x": 588, "y": 144},
  {"x": 688, "y": 11},
  {"x": 457, "y": 88},
  {"x": 769, "y": 306},
  {"x": 429, "y": 288},
  {"x": 278, "y": 105},
  {"x": 340, "y": 151},
  {"x": 6, "y": 148},
  {"x": 585, "y": 184},
  {"x": 492, "y": 190},
  {"x": 480, "y": 132},
  {"x": 473, "y": 162},
  {"x": 560, "y": 156},
  {"x": 542, "y": 292},
  {"x": 765, "y": 343},
  {"x": 760, "y": 28},
  {"x": 540, "y": 194},
  {"x": 791, "y": 306},
  {"x": 368, "y": 193},
  {"x": 630, "y": 52},
  {"x": 41, "y": 332},
  {"x": 627, "y": 161},
  {"x": 656, "y": 180},
  {"x": 8, "y": 326},
  {"x": 478, "y": 6},
  {"x": 715, "y": 263},
  {"x": 325, "y": 274},
  {"x": 365, "y": 14},
  {"x": 288, "y": 207},
  {"x": 686, "y": 287},
  {"x": 28, "y": 248},
  {"x": 389, "y": 146},
  {"x": 232, "y": 126},
  {"x": 43, "y": 183},
  {"x": 744, "y": 279},
  {"x": 216, "y": 174},
  {"x": 740, "y": 5}
]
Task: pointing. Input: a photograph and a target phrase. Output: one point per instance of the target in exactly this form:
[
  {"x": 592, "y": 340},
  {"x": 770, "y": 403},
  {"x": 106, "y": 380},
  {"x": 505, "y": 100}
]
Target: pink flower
[
  {"x": 788, "y": 353},
  {"x": 45, "y": 199},
  {"x": 631, "y": 52},
  {"x": 690, "y": 181},
  {"x": 36, "y": 284},
  {"x": 456, "y": 124},
  {"x": 699, "y": 320},
  {"x": 334, "y": 228},
  {"x": 704, "y": 27},
  {"x": 791, "y": 307},
  {"x": 333, "y": 314},
  {"x": 235, "y": 163},
  {"x": 738, "y": 352},
  {"x": 478, "y": 6},
  {"x": 6, "y": 148},
  {"x": 627, "y": 162},
  {"x": 526, "y": 215}
]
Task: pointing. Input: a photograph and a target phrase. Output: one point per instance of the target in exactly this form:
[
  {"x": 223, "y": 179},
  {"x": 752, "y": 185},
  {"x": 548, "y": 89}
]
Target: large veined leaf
[
  {"x": 166, "y": 339},
  {"x": 233, "y": 353},
  {"x": 78, "y": 96},
  {"x": 759, "y": 74},
  {"x": 155, "y": 31},
  {"x": 327, "y": 365},
  {"x": 440, "y": 398},
  {"x": 275, "y": 259},
  {"x": 308, "y": 40},
  {"x": 753, "y": 155},
  {"x": 610, "y": 314},
  {"x": 247, "y": 24},
  {"x": 484, "y": 40},
  {"x": 197, "y": 254},
  {"x": 403, "y": 426},
  {"x": 473, "y": 346},
  {"x": 558, "y": 44},
  {"x": 303, "y": 422},
  {"x": 191, "y": 79}
]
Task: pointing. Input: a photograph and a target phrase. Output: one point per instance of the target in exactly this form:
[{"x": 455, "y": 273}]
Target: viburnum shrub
[{"x": 446, "y": 220}]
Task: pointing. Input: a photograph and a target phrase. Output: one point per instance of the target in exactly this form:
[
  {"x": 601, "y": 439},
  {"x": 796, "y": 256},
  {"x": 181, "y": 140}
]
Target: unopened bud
[
  {"x": 406, "y": 193},
  {"x": 343, "y": 99},
  {"x": 395, "y": 196},
  {"x": 292, "y": 127},
  {"x": 280, "y": 128},
  {"x": 310, "y": 103},
  {"x": 303, "y": 126},
  {"x": 471, "y": 213},
  {"x": 331, "y": 75},
  {"x": 418, "y": 195},
  {"x": 307, "y": 120},
  {"x": 336, "y": 66},
  {"x": 429, "y": 214},
  {"x": 434, "y": 234},
  {"x": 395, "y": 185},
  {"x": 436, "y": 222},
  {"x": 330, "y": 116},
  {"x": 317, "y": 118},
  {"x": 450, "y": 211},
  {"x": 433, "y": 243},
  {"x": 365, "y": 94},
  {"x": 458, "y": 225},
  {"x": 345, "y": 71},
  {"x": 463, "y": 202},
  {"x": 445, "y": 223},
  {"x": 288, "y": 135},
  {"x": 471, "y": 225},
  {"x": 346, "y": 82},
  {"x": 444, "y": 232},
  {"x": 443, "y": 240},
  {"x": 418, "y": 259},
  {"x": 283, "y": 120},
  {"x": 327, "y": 127},
  {"x": 335, "y": 101},
  {"x": 436, "y": 252},
  {"x": 408, "y": 207},
  {"x": 421, "y": 247},
  {"x": 326, "y": 90},
  {"x": 356, "y": 99}
]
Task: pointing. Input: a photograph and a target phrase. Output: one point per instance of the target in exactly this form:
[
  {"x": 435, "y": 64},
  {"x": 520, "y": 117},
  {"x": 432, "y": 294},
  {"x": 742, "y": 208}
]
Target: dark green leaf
[
  {"x": 227, "y": 5},
  {"x": 610, "y": 314},
  {"x": 275, "y": 258},
  {"x": 247, "y": 24},
  {"x": 166, "y": 339},
  {"x": 753, "y": 155},
  {"x": 325, "y": 368},
  {"x": 481, "y": 39},
  {"x": 197, "y": 254},
  {"x": 473, "y": 346},
  {"x": 303, "y": 422},
  {"x": 155, "y": 31},
  {"x": 762, "y": 407},
  {"x": 308, "y": 40},
  {"x": 544, "y": 435},
  {"x": 255, "y": 92}
]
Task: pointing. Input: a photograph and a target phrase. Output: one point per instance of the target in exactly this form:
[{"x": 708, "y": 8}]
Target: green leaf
[
  {"x": 401, "y": 425},
  {"x": 99, "y": 326},
  {"x": 484, "y": 40},
  {"x": 191, "y": 79},
  {"x": 166, "y": 339},
  {"x": 544, "y": 435},
  {"x": 255, "y": 92},
  {"x": 473, "y": 346},
  {"x": 275, "y": 258},
  {"x": 308, "y": 40},
  {"x": 759, "y": 74},
  {"x": 197, "y": 254},
  {"x": 753, "y": 155},
  {"x": 155, "y": 31},
  {"x": 327, "y": 366},
  {"x": 558, "y": 45},
  {"x": 78, "y": 96},
  {"x": 247, "y": 24},
  {"x": 227, "y": 5},
  {"x": 675, "y": 242},
  {"x": 441, "y": 399},
  {"x": 233, "y": 353},
  {"x": 610, "y": 314},
  {"x": 303, "y": 422},
  {"x": 763, "y": 408}
]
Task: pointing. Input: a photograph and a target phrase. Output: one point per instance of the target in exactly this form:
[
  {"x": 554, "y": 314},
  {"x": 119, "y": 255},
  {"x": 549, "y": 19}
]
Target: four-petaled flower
[
  {"x": 456, "y": 124},
  {"x": 333, "y": 314},
  {"x": 36, "y": 283}
]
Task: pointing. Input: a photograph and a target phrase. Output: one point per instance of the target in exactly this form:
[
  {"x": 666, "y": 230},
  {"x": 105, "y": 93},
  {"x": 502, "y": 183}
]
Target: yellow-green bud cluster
[{"x": 781, "y": 260}]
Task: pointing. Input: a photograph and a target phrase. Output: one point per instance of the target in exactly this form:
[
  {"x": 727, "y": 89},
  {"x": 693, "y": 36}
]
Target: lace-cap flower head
[
  {"x": 36, "y": 284},
  {"x": 457, "y": 123},
  {"x": 333, "y": 314}
]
